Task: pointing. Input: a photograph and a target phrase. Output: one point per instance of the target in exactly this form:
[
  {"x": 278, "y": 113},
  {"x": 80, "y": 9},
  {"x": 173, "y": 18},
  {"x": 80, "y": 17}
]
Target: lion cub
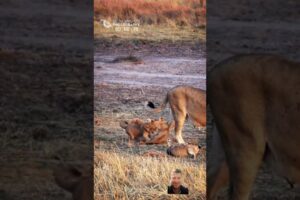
[
  {"x": 183, "y": 150},
  {"x": 150, "y": 132}
]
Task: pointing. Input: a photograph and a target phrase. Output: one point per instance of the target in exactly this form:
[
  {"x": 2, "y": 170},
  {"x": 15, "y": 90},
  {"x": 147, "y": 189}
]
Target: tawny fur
[
  {"x": 183, "y": 150},
  {"x": 152, "y": 132},
  {"x": 184, "y": 101},
  {"x": 255, "y": 101}
]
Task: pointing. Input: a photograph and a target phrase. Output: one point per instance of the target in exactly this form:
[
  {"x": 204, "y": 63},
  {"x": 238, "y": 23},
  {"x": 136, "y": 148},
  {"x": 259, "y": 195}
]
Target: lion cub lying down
[
  {"x": 183, "y": 150},
  {"x": 151, "y": 132}
]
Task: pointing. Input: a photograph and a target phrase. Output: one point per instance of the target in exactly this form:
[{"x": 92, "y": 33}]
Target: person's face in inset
[{"x": 176, "y": 180}]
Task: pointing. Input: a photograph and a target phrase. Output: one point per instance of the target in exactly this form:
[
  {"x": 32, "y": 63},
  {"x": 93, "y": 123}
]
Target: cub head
[
  {"x": 193, "y": 150},
  {"x": 150, "y": 127}
]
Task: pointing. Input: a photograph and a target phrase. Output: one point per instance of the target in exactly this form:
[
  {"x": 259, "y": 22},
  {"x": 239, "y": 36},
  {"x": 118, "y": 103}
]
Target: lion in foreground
[
  {"x": 255, "y": 102},
  {"x": 185, "y": 101}
]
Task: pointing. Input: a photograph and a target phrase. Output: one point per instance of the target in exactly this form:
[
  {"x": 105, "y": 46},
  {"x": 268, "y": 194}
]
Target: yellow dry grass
[
  {"x": 134, "y": 177},
  {"x": 179, "y": 12}
]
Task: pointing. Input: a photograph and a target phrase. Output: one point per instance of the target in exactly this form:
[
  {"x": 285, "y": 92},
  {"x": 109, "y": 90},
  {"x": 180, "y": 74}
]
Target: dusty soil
[
  {"x": 237, "y": 27},
  {"x": 122, "y": 88},
  {"x": 46, "y": 107}
]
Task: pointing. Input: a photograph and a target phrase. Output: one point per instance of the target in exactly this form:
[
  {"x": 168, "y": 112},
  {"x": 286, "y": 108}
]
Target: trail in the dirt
[{"x": 154, "y": 71}]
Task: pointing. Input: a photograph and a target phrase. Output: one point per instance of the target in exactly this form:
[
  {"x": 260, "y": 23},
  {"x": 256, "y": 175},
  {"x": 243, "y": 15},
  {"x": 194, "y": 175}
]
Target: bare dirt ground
[
  {"x": 120, "y": 92},
  {"x": 237, "y": 27}
]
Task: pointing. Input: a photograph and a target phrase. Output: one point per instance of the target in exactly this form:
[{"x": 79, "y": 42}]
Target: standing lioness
[
  {"x": 185, "y": 101},
  {"x": 255, "y": 101}
]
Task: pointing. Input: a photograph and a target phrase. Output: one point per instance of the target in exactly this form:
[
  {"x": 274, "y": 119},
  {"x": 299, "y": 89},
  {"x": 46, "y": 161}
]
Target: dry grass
[
  {"x": 179, "y": 12},
  {"x": 153, "y": 21},
  {"x": 125, "y": 176}
]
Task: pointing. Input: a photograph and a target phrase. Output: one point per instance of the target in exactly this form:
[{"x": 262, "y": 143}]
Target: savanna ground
[
  {"x": 164, "y": 53},
  {"x": 46, "y": 109},
  {"x": 237, "y": 27}
]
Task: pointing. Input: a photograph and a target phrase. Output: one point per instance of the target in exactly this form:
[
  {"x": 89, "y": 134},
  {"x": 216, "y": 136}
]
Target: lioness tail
[
  {"x": 151, "y": 105},
  {"x": 169, "y": 151}
]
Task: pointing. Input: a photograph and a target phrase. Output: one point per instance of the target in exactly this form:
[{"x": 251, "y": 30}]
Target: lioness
[
  {"x": 76, "y": 179},
  {"x": 151, "y": 132},
  {"x": 255, "y": 101},
  {"x": 185, "y": 101}
]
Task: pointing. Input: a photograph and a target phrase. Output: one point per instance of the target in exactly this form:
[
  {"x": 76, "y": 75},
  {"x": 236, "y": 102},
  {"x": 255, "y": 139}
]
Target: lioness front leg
[
  {"x": 178, "y": 130},
  {"x": 243, "y": 160},
  {"x": 218, "y": 172}
]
